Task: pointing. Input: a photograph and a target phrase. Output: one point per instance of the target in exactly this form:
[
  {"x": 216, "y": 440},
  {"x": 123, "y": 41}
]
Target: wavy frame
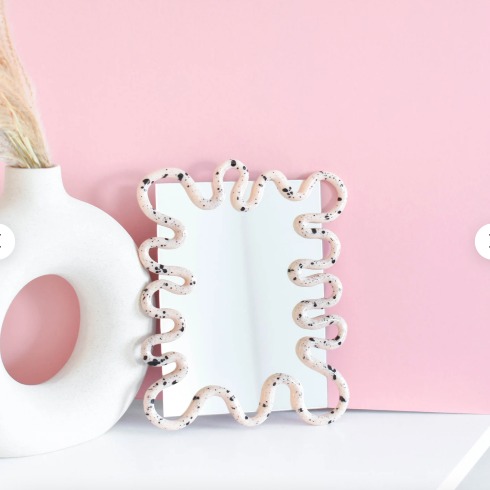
[{"x": 302, "y": 225}]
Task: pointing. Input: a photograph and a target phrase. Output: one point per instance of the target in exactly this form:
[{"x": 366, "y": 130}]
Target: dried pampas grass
[{"x": 22, "y": 143}]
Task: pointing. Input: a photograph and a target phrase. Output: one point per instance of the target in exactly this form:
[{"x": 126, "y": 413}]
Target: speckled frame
[{"x": 303, "y": 226}]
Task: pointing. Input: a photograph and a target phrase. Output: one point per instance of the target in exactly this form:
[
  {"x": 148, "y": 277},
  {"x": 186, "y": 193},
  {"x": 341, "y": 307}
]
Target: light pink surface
[
  {"x": 40, "y": 330},
  {"x": 392, "y": 96}
]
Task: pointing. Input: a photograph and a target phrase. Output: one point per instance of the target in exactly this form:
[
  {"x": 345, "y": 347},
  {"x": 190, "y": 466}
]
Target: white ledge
[{"x": 365, "y": 449}]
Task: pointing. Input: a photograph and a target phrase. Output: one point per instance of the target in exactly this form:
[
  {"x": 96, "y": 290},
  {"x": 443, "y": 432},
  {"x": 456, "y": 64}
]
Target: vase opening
[{"x": 40, "y": 330}]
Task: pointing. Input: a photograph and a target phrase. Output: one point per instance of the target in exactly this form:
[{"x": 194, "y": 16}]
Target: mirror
[
  {"x": 239, "y": 331},
  {"x": 239, "y": 324}
]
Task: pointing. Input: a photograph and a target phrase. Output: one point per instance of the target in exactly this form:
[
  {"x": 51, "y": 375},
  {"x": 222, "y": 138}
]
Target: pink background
[{"x": 392, "y": 96}]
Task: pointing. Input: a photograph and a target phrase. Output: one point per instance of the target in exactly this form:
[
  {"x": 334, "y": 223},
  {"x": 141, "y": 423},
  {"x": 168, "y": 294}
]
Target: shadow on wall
[
  {"x": 116, "y": 195},
  {"x": 40, "y": 330}
]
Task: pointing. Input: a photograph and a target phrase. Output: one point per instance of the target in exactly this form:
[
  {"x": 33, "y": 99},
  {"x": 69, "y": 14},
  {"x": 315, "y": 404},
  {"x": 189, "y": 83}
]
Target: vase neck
[{"x": 33, "y": 185}]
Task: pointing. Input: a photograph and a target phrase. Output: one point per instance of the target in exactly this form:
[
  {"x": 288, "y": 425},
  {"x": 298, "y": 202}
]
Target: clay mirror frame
[{"x": 304, "y": 226}]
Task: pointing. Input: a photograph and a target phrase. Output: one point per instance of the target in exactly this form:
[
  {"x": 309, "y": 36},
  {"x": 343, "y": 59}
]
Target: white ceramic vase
[{"x": 57, "y": 234}]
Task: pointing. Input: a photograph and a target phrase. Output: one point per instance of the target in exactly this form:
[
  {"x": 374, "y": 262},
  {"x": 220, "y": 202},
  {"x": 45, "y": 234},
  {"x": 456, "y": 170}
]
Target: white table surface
[{"x": 363, "y": 450}]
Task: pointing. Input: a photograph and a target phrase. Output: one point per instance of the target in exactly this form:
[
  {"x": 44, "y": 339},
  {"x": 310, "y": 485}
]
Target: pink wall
[{"x": 392, "y": 96}]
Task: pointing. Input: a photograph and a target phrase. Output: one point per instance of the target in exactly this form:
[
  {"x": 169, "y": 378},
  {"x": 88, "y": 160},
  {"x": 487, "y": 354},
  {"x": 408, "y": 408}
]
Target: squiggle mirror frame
[{"x": 303, "y": 226}]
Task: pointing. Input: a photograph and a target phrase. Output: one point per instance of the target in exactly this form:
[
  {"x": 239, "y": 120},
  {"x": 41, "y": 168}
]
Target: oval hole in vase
[{"x": 40, "y": 330}]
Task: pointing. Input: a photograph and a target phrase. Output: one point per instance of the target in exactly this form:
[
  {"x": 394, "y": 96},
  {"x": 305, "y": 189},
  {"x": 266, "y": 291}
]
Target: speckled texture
[{"x": 303, "y": 226}]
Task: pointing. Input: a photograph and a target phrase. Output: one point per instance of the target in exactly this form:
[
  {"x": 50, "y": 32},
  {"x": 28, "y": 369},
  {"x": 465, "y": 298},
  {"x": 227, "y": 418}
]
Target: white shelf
[{"x": 363, "y": 450}]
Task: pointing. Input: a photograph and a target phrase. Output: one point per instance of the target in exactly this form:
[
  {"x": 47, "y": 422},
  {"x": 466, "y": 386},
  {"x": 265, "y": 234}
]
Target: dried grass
[{"x": 22, "y": 143}]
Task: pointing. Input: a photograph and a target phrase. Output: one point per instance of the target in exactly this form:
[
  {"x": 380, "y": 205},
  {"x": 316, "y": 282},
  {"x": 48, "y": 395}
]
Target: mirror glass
[{"x": 239, "y": 316}]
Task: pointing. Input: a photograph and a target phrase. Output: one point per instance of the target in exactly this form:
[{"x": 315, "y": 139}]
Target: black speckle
[
  {"x": 339, "y": 199},
  {"x": 146, "y": 181},
  {"x": 342, "y": 399},
  {"x": 233, "y": 163},
  {"x": 174, "y": 382},
  {"x": 242, "y": 209},
  {"x": 180, "y": 176}
]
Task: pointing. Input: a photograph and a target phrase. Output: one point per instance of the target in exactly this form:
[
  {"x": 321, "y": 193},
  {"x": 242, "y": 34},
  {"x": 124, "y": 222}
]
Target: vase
[{"x": 57, "y": 234}]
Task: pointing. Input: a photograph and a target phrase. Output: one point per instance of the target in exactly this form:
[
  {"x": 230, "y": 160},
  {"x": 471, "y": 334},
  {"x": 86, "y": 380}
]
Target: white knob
[
  {"x": 7, "y": 241},
  {"x": 482, "y": 241}
]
